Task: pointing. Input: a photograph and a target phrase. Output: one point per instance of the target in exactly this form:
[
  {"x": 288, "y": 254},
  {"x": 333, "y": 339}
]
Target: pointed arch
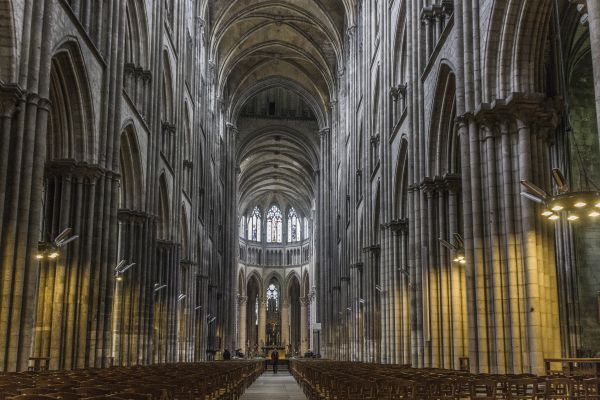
[
  {"x": 187, "y": 131},
  {"x": 274, "y": 276},
  {"x": 185, "y": 233},
  {"x": 401, "y": 182},
  {"x": 167, "y": 112},
  {"x": 375, "y": 103},
  {"x": 164, "y": 221},
  {"x": 513, "y": 61},
  {"x": 289, "y": 280},
  {"x": 132, "y": 181},
  {"x": 241, "y": 283},
  {"x": 136, "y": 34},
  {"x": 71, "y": 120},
  {"x": 442, "y": 129},
  {"x": 305, "y": 284},
  {"x": 400, "y": 49},
  {"x": 254, "y": 278},
  {"x": 377, "y": 215}
]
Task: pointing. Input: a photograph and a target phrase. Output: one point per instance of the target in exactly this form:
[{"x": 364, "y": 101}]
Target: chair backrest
[
  {"x": 558, "y": 386},
  {"x": 30, "y": 397}
]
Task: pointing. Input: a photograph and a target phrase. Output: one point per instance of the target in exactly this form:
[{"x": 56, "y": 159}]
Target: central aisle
[{"x": 274, "y": 387}]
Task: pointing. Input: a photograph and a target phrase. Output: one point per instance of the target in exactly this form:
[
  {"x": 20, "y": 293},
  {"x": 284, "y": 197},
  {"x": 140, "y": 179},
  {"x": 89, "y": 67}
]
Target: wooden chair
[
  {"x": 64, "y": 396},
  {"x": 484, "y": 389},
  {"x": 559, "y": 388},
  {"x": 31, "y": 397},
  {"x": 524, "y": 389},
  {"x": 587, "y": 389}
]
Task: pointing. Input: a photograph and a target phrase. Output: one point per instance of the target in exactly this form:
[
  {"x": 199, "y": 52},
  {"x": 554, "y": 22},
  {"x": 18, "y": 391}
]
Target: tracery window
[
  {"x": 272, "y": 298},
  {"x": 293, "y": 223},
  {"x": 256, "y": 311},
  {"x": 305, "y": 228},
  {"x": 274, "y": 225},
  {"x": 242, "y": 226},
  {"x": 254, "y": 221}
]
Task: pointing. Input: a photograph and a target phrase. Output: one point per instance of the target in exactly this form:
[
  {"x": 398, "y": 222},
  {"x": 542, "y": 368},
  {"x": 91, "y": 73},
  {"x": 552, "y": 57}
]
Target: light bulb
[
  {"x": 594, "y": 214},
  {"x": 553, "y": 217},
  {"x": 119, "y": 278},
  {"x": 598, "y": 205},
  {"x": 580, "y": 204},
  {"x": 53, "y": 255},
  {"x": 557, "y": 207},
  {"x": 463, "y": 261},
  {"x": 39, "y": 256},
  {"x": 573, "y": 218},
  {"x": 547, "y": 213}
]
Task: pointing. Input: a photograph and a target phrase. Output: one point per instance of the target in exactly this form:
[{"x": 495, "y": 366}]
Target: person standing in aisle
[{"x": 275, "y": 360}]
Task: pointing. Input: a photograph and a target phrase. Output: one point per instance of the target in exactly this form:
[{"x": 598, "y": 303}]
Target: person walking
[{"x": 275, "y": 360}]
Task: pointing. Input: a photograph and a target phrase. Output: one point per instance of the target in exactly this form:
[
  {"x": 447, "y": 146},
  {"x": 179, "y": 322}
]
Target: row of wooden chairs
[
  {"x": 181, "y": 381},
  {"x": 334, "y": 380}
]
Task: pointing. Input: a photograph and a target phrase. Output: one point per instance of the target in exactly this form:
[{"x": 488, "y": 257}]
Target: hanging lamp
[{"x": 567, "y": 204}]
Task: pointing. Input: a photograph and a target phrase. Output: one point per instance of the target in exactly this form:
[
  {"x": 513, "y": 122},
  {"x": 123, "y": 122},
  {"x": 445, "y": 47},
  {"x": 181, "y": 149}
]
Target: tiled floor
[{"x": 274, "y": 387}]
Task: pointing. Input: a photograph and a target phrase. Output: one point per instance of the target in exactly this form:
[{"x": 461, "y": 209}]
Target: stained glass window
[
  {"x": 273, "y": 298},
  {"x": 293, "y": 223},
  {"x": 305, "y": 228},
  {"x": 254, "y": 221},
  {"x": 242, "y": 226},
  {"x": 256, "y": 311},
  {"x": 274, "y": 225}
]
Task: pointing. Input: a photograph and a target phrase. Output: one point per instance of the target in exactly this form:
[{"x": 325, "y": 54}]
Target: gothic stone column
[
  {"x": 242, "y": 301},
  {"x": 262, "y": 322},
  {"x": 285, "y": 323},
  {"x": 304, "y": 304}
]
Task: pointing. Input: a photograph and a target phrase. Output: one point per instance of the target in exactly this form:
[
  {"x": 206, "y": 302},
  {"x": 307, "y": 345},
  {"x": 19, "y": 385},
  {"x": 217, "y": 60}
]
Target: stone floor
[{"x": 269, "y": 386}]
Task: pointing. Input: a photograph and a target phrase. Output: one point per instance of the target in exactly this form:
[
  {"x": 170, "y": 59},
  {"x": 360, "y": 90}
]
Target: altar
[{"x": 267, "y": 350}]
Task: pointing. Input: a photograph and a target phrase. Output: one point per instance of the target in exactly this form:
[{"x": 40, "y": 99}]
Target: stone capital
[
  {"x": 463, "y": 120},
  {"x": 304, "y": 301},
  {"x": 81, "y": 170},
  {"x": 139, "y": 217},
  {"x": 452, "y": 182},
  {"x": 396, "y": 225},
  {"x": 324, "y": 132},
  {"x": 428, "y": 186},
  {"x": 169, "y": 127},
  {"x": 357, "y": 265},
  {"x": 395, "y": 93},
  {"x": 9, "y": 98},
  {"x": 351, "y": 31}
]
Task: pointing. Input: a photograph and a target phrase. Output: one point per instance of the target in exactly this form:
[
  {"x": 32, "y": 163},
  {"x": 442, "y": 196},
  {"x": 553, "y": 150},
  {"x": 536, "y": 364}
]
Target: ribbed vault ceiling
[
  {"x": 277, "y": 160},
  {"x": 291, "y": 44},
  {"x": 297, "y": 40}
]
